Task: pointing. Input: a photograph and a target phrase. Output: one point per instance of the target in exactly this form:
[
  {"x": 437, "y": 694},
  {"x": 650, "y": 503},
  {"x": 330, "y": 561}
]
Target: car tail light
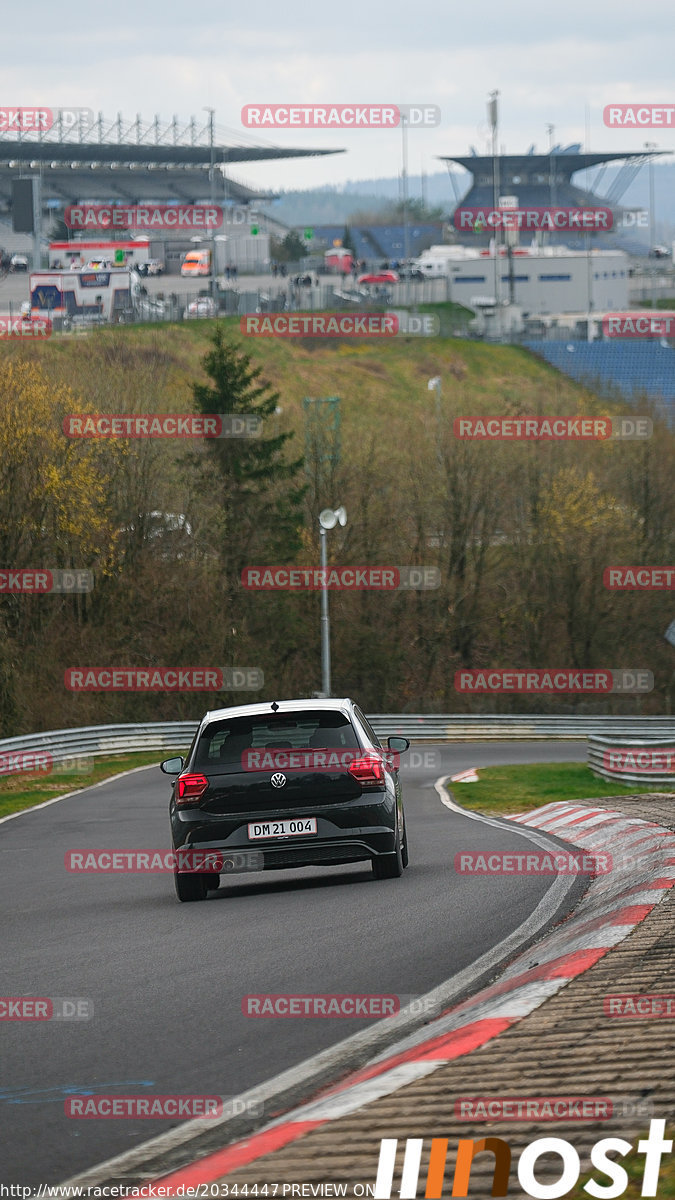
[
  {"x": 368, "y": 769},
  {"x": 190, "y": 788}
]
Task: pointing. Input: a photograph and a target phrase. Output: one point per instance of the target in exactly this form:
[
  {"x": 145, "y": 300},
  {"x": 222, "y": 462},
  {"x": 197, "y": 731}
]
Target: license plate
[{"x": 293, "y": 827}]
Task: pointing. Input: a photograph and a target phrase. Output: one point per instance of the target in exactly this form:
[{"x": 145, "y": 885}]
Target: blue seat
[{"x": 635, "y": 368}]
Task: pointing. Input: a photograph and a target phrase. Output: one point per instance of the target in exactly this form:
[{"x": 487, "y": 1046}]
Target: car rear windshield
[{"x": 222, "y": 743}]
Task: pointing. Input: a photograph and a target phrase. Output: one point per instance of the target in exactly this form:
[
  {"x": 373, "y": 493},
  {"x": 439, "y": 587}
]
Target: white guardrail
[
  {"x": 648, "y": 762},
  {"x": 603, "y": 731}
]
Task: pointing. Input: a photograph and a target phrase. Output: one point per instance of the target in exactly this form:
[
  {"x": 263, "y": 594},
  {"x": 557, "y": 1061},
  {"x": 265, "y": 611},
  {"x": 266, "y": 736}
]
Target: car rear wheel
[
  {"x": 389, "y": 866},
  {"x": 193, "y": 887}
]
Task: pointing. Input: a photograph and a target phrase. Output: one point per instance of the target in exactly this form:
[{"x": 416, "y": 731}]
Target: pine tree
[{"x": 261, "y": 500}]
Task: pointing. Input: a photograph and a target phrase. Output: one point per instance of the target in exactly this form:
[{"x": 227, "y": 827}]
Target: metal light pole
[
  {"x": 404, "y": 197},
  {"x": 212, "y": 196},
  {"x": 37, "y": 221},
  {"x": 652, "y": 220},
  {"x": 328, "y": 519},
  {"x": 325, "y": 623},
  {"x": 551, "y": 166},
  {"x": 493, "y": 115},
  {"x": 590, "y": 324}
]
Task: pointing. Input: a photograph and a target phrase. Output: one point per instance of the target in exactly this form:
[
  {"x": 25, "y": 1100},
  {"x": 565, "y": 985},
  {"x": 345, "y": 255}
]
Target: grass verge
[
  {"x": 19, "y": 792},
  {"x": 518, "y": 789}
]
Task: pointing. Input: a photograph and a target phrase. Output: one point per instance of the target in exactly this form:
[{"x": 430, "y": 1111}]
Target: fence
[
  {"x": 171, "y": 302},
  {"x": 97, "y": 740},
  {"x": 643, "y": 761}
]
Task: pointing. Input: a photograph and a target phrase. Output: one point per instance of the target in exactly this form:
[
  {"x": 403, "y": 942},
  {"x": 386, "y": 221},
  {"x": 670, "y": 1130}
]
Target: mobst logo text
[{"x": 652, "y": 1147}]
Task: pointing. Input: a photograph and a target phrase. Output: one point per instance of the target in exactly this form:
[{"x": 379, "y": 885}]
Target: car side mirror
[
  {"x": 400, "y": 744},
  {"x": 171, "y": 766}
]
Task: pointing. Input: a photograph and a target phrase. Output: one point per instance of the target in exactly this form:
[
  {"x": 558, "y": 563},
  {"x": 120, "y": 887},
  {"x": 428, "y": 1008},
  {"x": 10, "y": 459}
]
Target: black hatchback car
[{"x": 294, "y": 783}]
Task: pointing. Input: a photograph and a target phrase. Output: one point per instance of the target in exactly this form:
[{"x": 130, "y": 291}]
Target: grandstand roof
[
  {"x": 526, "y": 165},
  {"x": 134, "y": 161},
  {"x": 540, "y": 180}
]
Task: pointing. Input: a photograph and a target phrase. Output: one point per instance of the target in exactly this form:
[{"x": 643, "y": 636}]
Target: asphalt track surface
[{"x": 167, "y": 979}]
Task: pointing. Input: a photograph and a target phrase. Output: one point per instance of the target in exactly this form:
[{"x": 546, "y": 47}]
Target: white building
[{"x": 540, "y": 280}]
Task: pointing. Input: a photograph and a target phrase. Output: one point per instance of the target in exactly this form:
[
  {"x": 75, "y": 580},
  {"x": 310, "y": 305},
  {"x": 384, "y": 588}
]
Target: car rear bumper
[
  {"x": 356, "y": 831},
  {"x": 286, "y": 856}
]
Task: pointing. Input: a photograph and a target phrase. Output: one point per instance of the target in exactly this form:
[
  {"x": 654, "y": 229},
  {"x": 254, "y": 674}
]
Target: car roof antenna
[{"x": 274, "y": 706}]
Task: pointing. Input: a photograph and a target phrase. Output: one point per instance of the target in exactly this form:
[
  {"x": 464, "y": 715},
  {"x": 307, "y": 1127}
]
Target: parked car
[
  {"x": 203, "y": 306},
  {"x": 150, "y": 308},
  {"x": 18, "y": 262},
  {"x": 195, "y": 263},
  {"x": 409, "y": 270},
  {"x": 379, "y": 277},
  {"x": 352, "y": 295},
  {"x": 294, "y": 783},
  {"x": 154, "y": 266}
]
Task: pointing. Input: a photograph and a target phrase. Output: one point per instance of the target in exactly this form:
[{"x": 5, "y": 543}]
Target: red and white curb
[
  {"x": 643, "y": 871},
  {"x": 470, "y": 776}
]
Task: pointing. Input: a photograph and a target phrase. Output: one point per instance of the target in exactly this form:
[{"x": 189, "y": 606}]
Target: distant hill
[{"x": 332, "y": 205}]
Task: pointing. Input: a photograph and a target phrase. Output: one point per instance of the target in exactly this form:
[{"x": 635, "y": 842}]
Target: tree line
[{"x": 520, "y": 533}]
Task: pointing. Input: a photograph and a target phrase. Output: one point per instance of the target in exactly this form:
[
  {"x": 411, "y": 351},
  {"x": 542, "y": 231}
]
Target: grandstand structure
[
  {"x": 382, "y": 242},
  {"x": 545, "y": 180},
  {"x": 135, "y": 161},
  {"x": 632, "y": 368}
]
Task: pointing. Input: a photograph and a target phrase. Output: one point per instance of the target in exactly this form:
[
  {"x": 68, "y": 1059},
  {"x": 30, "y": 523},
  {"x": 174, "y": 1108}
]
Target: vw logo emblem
[{"x": 278, "y": 780}]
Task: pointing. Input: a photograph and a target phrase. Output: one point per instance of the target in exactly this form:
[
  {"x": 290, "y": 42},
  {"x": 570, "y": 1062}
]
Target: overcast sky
[{"x": 551, "y": 62}]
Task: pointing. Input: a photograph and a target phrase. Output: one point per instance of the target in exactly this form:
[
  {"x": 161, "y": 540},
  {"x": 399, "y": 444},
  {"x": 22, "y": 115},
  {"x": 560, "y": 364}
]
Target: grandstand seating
[
  {"x": 634, "y": 369},
  {"x": 383, "y": 241},
  {"x": 14, "y": 243}
]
